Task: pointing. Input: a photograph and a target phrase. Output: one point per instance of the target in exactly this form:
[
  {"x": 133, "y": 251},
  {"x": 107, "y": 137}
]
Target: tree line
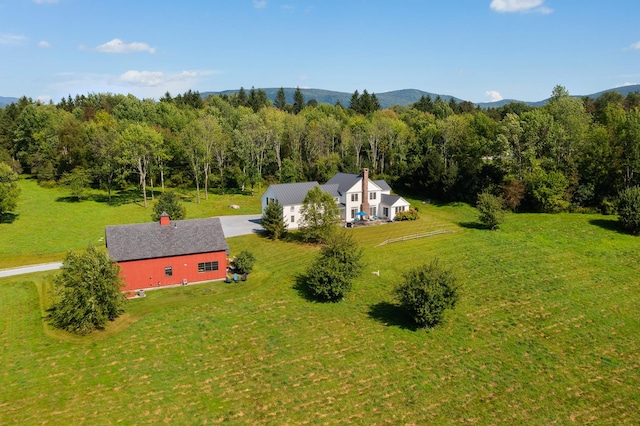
[{"x": 569, "y": 154}]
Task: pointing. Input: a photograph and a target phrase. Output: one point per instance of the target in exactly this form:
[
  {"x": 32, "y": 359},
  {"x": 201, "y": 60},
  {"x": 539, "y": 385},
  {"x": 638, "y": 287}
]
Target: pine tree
[
  {"x": 273, "y": 221},
  {"x": 281, "y": 99},
  {"x": 298, "y": 101}
]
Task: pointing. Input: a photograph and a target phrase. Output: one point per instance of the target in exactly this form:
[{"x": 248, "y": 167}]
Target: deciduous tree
[
  {"x": 320, "y": 214},
  {"x": 87, "y": 292},
  {"x": 9, "y": 189}
]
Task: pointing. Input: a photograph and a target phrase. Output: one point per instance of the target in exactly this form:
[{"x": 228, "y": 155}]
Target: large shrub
[
  {"x": 427, "y": 291},
  {"x": 244, "y": 261},
  {"x": 339, "y": 262},
  {"x": 490, "y": 210},
  {"x": 629, "y": 209}
]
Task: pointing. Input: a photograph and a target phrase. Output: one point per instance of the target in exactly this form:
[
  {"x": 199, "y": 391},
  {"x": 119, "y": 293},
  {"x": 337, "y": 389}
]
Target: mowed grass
[
  {"x": 546, "y": 332},
  {"x": 49, "y": 222}
]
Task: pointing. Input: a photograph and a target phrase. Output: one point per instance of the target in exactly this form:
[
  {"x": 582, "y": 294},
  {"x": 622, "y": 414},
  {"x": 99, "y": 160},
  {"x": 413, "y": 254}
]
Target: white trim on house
[{"x": 347, "y": 191}]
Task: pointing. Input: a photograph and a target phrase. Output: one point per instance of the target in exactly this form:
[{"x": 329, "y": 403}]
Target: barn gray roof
[
  {"x": 292, "y": 193},
  {"x": 152, "y": 240}
]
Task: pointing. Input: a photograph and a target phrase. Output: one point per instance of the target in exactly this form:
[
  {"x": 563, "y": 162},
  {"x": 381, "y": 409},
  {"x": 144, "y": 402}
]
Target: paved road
[
  {"x": 231, "y": 225},
  {"x": 30, "y": 269}
]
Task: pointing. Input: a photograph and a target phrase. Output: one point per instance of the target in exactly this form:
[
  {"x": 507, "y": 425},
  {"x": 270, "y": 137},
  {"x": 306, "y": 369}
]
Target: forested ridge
[{"x": 569, "y": 154}]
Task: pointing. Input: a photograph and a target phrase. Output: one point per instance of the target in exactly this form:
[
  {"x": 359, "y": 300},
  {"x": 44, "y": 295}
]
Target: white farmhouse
[{"x": 357, "y": 196}]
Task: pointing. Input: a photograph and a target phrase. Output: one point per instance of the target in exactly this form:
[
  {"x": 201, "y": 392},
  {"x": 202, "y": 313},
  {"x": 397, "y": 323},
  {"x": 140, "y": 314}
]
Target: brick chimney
[
  {"x": 165, "y": 220},
  {"x": 365, "y": 191}
]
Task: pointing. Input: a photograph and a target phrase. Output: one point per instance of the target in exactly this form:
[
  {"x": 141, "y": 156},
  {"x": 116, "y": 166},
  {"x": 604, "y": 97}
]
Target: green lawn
[
  {"x": 48, "y": 222},
  {"x": 546, "y": 332}
]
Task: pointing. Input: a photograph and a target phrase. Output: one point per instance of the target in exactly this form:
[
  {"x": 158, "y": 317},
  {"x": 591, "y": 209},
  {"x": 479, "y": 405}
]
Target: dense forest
[{"x": 570, "y": 154}]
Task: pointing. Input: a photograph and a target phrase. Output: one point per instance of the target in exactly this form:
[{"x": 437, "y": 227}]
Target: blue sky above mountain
[{"x": 477, "y": 50}]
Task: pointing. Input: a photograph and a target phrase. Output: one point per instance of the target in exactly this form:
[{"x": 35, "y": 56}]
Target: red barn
[{"x": 169, "y": 252}]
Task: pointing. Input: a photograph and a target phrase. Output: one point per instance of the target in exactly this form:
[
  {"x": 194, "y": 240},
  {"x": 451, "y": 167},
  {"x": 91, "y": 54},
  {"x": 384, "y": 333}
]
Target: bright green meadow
[{"x": 546, "y": 330}]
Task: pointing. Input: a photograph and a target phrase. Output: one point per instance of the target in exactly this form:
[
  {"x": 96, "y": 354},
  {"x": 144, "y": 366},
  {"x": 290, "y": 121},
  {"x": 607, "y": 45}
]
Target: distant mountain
[
  {"x": 387, "y": 99},
  {"x": 6, "y": 101},
  {"x": 623, "y": 90},
  {"x": 403, "y": 97}
]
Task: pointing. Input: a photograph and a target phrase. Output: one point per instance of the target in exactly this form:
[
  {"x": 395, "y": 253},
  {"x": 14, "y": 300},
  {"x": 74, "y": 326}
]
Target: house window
[
  {"x": 354, "y": 197},
  {"x": 293, "y": 219},
  {"x": 372, "y": 195},
  {"x": 373, "y": 210},
  {"x": 208, "y": 266},
  {"x": 293, "y": 208},
  {"x": 353, "y": 213},
  {"x": 168, "y": 271},
  {"x": 399, "y": 209}
]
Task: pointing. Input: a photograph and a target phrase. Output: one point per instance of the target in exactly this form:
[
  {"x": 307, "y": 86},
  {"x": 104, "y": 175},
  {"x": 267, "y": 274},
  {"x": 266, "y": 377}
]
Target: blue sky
[{"x": 477, "y": 50}]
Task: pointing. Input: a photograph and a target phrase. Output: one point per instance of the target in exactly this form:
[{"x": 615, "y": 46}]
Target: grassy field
[
  {"x": 546, "y": 332},
  {"x": 48, "y": 222}
]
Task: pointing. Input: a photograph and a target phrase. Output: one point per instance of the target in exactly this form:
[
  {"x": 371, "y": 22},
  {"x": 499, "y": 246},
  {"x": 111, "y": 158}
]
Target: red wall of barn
[{"x": 137, "y": 274}]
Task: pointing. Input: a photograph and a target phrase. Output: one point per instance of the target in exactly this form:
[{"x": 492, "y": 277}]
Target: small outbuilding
[{"x": 168, "y": 252}]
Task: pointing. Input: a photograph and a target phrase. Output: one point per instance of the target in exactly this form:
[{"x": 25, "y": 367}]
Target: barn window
[
  {"x": 208, "y": 266},
  {"x": 168, "y": 271}
]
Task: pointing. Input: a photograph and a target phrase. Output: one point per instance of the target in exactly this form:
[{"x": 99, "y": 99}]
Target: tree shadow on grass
[
  {"x": 302, "y": 288},
  {"x": 8, "y": 217},
  {"x": 394, "y": 315},
  {"x": 472, "y": 225},
  {"x": 609, "y": 225}
]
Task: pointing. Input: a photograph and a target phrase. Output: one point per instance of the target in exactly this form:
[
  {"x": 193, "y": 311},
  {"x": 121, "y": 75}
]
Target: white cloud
[
  {"x": 493, "y": 96},
  {"x": 628, "y": 83},
  {"x": 44, "y": 44},
  {"x": 45, "y": 99},
  {"x": 259, "y": 4},
  {"x": 12, "y": 39},
  {"x": 45, "y": 1},
  {"x": 635, "y": 46},
  {"x": 141, "y": 78},
  {"x": 143, "y": 84},
  {"x": 118, "y": 46},
  {"x": 512, "y": 6}
]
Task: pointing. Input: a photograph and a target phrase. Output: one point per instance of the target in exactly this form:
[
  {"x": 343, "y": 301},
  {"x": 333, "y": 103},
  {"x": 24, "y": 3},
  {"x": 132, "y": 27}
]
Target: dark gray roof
[
  {"x": 391, "y": 199},
  {"x": 151, "y": 240},
  {"x": 292, "y": 193},
  {"x": 382, "y": 184},
  {"x": 344, "y": 181},
  {"x": 331, "y": 189}
]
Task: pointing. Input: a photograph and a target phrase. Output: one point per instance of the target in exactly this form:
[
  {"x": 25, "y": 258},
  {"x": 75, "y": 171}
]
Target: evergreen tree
[
  {"x": 168, "y": 203},
  {"x": 298, "y": 101},
  {"x": 281, "y": 99},
  {"x": 273, "y": 221},
  {"x": 354, "y": 103}
]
